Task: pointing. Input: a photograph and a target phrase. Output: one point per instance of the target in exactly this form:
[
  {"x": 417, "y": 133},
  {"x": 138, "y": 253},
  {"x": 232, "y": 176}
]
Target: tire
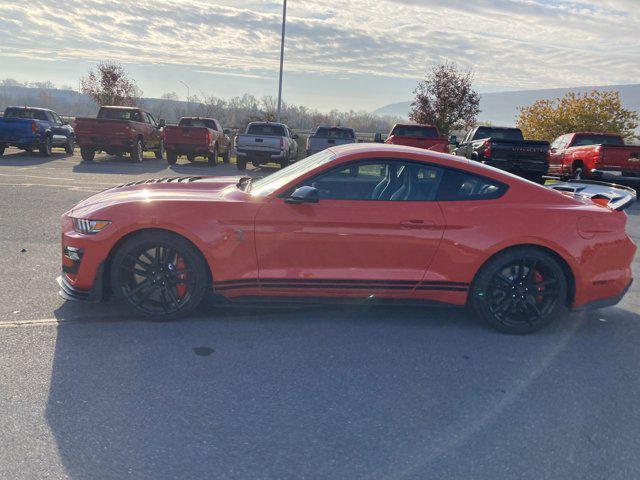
[
  {"x": 241, "y": 164},
  {"x": 213, "y": 157},
  {"x": 45, "y": 147},
  {"x": 519, "y": 291},
  {"x": 160, "y": 153},
  {"x": 578, "y": 173},
  {"x": 284, "y": 162},
  {"x": 87, "y": 154},
  {"x": 191, "y": 157},
  {"x": 137, "y": 152},
  {"x": 2, "y": 147},
  {"x": 226, "y": 158},
  {"x": 172, "y": 157},
  {"x": 70, "y": 146},
  {"x": 145, "y": 275}
]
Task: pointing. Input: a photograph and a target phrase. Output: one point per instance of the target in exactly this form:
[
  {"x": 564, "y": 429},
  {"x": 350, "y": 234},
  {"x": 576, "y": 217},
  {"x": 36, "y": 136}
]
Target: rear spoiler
[{"x": 612, "y": 195}]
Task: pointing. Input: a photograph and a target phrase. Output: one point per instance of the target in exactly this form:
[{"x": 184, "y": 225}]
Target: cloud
[{"x": 523, "y": 43}]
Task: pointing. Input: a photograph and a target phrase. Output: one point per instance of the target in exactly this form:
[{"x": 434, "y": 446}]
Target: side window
[
  {"x": 460, "y": 186},
  {"x": 382, "y": 180},
  {"x": 56, "y": 119},
  {"x": 218, "y": 126},
  {"x": 467, "y": 138},
  {"x": 136, "y": 116}
]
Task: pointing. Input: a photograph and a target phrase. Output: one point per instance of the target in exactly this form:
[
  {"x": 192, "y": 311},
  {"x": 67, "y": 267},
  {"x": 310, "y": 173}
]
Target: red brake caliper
[
  {"x": 537, "y": 277},
  {"x": 181, "y": 287}
]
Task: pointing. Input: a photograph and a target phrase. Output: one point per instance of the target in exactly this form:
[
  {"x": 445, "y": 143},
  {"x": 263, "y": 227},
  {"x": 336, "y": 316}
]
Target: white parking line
[
  {"x": 77, "y": 179},
  {"x": 72, "y": 188}
]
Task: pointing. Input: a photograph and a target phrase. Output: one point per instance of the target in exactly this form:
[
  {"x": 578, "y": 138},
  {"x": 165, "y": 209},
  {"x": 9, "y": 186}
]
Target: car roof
[
  {"x": 120, "y": 107},
  {"x": 26, "y": 107}
]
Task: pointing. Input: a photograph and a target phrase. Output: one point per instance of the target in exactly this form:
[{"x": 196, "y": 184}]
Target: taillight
[
  {"x": 599, "y": 154},
  {"x": 487, "y": 149},
  {"x": 209, "y": 136},
  {"x": 34, "y": 127}
]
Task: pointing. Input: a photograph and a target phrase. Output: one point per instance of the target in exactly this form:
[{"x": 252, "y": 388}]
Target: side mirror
[
  {"x": 295, "y": 136},
  {"x": 377, "y": 138},
  {"x": 162, "y": 123},
  {"x": 226, "y": 131},
  {"x": 306, "y": 194}
]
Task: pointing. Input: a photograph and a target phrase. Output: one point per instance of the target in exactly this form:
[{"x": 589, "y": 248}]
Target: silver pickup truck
[
  {"x": 325, "y": 137},
  {"x": 266, "y": 142}
]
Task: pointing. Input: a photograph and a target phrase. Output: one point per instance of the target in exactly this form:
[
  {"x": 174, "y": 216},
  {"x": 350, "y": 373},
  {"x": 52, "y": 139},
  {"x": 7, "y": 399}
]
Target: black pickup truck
[{"x": 506, "y": 148}]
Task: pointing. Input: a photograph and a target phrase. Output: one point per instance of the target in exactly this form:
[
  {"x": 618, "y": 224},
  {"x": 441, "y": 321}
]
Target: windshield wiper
[{"x": 244, "y": 183}]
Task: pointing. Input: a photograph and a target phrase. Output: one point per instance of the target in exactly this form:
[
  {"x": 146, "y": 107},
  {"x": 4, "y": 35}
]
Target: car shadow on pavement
[
  {"x": 29, "y": 159},
  {"x": 317, "y": 392}
]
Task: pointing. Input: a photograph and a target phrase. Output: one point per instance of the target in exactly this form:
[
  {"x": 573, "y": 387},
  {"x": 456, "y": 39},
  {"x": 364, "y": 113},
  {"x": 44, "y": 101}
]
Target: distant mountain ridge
[{"x": 501, "y": 108}]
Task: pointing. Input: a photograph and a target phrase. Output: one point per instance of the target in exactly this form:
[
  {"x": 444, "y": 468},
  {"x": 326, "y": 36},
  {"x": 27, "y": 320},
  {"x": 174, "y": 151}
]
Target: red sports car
[{"x": 359, "y": 223}]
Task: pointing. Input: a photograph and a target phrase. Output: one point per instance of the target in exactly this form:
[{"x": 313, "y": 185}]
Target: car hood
[{"x": 160, "y": 189}]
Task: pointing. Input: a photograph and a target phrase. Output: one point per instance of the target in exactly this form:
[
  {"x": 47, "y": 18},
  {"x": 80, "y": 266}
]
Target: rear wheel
[
  {"x": 137, "y": 152},
  {"x": 226, "y": 158},
  {"x": 577, "y": 171},
  {"x": 70, "y": 145},
  {"x": 213, "y": 157},
  {"x": 88, "y": 154},
  {"x": 160, "y": 152},
  {"x": 241, "y": 164},
  {"x": 284, "y": 162},
  {"x": 520, "y": 291},
  {"x": 255, "y": 163},
  {"x": 45, "y": 147},
  {"x": 159, "y": 275}
]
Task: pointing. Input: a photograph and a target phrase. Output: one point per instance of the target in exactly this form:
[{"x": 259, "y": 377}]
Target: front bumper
[{"x": 94, "y": 295}]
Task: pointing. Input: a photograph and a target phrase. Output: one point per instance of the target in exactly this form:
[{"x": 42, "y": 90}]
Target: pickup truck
[
  {"x": 325, "y": 137},
  {"x": 194, "y": 136},
  {"x": 35, "y": 128},
  {"x": 595, "y": 155},
  {"x": 118, "y": 130},
  {"x": 266, "y": 142},
  {"x": 506, "y": 148},
  {"x": 419, "y": 136}
]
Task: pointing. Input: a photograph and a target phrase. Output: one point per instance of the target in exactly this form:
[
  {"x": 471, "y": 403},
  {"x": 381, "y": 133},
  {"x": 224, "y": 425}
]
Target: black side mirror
[
  {"x": 162, "y": 123},
  {"x": 377, "y": 138},
  {"x": 306, "y": 194}
]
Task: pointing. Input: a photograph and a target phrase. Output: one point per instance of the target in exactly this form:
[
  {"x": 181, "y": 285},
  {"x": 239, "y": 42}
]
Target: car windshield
[
  {"x": 276, "y": 180},
  {"x": 598, "y": 140},
  {"x": 415, "y": 131},
  {"x": 340, "y": 133},
  {"x": 120, "y": 114},
  {"x": 512, "y": 134},
  {"x": 265, "y": 129},
  {"x": 28, "y": 113},
  {"x": 197, "y": 122}
]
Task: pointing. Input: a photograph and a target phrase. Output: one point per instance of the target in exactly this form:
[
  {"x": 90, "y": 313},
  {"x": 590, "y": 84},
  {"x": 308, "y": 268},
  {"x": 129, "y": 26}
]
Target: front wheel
[
  {"x": 87, "y": 154},
  {"x": 578, "y": 173},
  {"x": 159, "y": 275},
  {"x": 137, "y": 152},
  {"x": 213, "y": 157},
  {"x": 70, "y": 146},
  {"x": 191, "y": 157},
  {"x": 46, "y": 146},
  {"x": 284, "y": 162},
  {"x": 519, "y": 291}
]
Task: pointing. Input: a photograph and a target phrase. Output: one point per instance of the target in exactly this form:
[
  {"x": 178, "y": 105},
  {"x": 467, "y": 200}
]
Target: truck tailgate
[
  {"x": 624, "y": 158},
  {"x": 527, "y": 150},
  {"x": 13, "y": 129},
  {"x": 175, "y": 135},
  {"x": 259, "y": 143},
  {"x": 102, "y": 128},
  {"x": 437, "y": 144},
  {"x": 317, "y": 144}
]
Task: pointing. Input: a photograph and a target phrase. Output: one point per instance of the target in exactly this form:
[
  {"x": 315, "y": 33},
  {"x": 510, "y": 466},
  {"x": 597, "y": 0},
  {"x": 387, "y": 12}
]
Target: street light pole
[
  {"x": 284, "y": 22},
  {"x": 188, "y": 96}
]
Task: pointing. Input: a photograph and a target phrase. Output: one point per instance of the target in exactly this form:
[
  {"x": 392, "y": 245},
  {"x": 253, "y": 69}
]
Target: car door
[
  {"x": 58, "y": 129},
  {"x": 154, "y": 133},
  {"x": 374, "y": 231}
]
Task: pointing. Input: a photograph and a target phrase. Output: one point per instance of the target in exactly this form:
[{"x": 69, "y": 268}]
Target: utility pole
[
  {"x": 188, "y": 97},
  {"x": 284, "y": 23}
]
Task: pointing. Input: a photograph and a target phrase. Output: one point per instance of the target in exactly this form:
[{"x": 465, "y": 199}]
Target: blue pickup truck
[{"x": 31, "y": 129}]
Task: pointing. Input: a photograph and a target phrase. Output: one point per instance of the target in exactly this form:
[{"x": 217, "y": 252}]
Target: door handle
[{"x": 416, "y": 223}]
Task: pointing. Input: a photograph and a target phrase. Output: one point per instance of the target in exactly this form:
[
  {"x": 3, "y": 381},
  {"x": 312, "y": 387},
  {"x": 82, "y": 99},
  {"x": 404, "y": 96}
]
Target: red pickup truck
[
  {"x": 119, "y": 130},
  {"x": 194, "y": 136},
  {"x": 595, "y": 155},
  {"x": 420, "y": 136}
]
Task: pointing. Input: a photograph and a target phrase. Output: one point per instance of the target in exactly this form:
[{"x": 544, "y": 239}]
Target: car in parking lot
[
  {"x": 361, "y": 223},
  {"x": 266, "y": 142},
  {"x": 195, "y": 136},
  {"x": 31, "y": 128},
  {"x": 325, "y": 137},
  {"x": 419, "y": 136},
  {"x": 594, "y": 155},
  {"x": 119, "y": 130}
]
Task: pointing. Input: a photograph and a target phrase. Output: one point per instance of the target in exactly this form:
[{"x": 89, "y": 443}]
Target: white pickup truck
[{"x": 266, "y": 142}]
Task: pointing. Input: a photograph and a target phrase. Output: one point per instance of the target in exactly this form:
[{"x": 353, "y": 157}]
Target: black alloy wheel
[
  {"x": 521, "y": 291},
  {"x": 159, "y": 275}
]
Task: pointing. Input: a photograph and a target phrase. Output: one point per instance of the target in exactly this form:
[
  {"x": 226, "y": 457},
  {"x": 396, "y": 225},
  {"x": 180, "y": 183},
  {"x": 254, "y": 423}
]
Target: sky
[{"x": 348, "y": 54}]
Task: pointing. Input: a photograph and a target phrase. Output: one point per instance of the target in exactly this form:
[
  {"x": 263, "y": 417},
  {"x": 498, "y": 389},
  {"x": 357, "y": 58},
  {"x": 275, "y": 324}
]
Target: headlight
[{"x": 89, "y": 227}]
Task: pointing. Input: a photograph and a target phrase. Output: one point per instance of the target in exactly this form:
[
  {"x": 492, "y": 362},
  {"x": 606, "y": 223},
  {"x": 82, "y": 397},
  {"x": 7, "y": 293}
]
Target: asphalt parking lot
[{"x": 290, "y": 393}]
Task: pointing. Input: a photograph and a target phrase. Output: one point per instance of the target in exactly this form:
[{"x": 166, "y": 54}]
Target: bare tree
[{"x": 446, "y": 99}]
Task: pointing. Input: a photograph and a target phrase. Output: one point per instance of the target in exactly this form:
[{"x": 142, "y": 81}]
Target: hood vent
[{"x": 161, "y": 180}]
